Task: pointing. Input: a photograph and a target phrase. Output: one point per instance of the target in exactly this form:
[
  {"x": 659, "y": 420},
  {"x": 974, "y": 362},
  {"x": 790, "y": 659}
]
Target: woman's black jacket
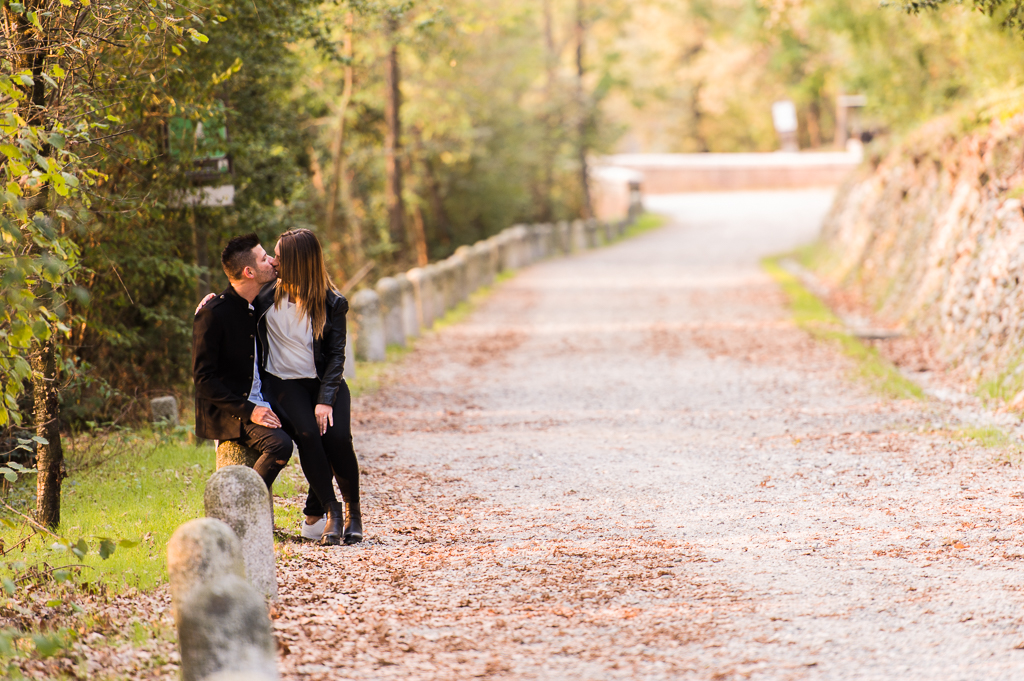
[{"x": 328, "y": 350}]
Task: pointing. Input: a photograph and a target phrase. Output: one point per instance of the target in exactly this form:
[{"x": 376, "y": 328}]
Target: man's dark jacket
[
  {"x": 328, "y": 350},
  {"x": 223, "y": 347}
]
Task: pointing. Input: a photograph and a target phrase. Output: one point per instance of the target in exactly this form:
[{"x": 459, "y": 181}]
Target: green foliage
[{"x": 118, "y": 516}]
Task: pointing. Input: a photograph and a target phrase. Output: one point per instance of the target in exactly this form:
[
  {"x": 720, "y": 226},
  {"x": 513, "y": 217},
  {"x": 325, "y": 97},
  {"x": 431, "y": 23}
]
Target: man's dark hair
[{"x": 238, "y": 255}]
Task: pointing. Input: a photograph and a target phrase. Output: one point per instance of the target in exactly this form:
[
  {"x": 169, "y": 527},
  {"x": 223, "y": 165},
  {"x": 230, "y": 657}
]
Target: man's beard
[{"x": 267, "y": 277}]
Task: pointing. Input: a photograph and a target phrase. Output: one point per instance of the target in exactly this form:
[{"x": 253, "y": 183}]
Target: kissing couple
[{"x": 268, "y": 356}]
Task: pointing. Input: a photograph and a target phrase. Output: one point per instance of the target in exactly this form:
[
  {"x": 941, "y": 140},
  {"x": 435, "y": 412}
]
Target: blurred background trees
[{"x": 401, "y": 129}]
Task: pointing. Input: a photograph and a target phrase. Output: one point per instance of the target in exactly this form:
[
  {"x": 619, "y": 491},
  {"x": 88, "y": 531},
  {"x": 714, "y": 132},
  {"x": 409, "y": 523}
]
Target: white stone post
[
  {"x": 370, "y": 343},
  {"x": 391, "y": 311},
  {"x": 165, "y": 410},
  {"x": 237, "y": 496},
  {"x": 410, "y": 315},
  {"x": 564, "y": 238},
  {"x": 424, "y": 295},
  {"x": 221, "y": 618}
]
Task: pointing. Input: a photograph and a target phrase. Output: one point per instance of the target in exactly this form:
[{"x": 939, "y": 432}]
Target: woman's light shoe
[{"x": 314, "y": 531}]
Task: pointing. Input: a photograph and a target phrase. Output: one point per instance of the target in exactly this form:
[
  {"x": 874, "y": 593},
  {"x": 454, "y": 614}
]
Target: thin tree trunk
[
  {"x": 422, "y": 258},
  {"x": 547, "y": 211},
  {"x": 584, "y": 112},
  {"x": 814, "y": 124},
  {"x": 354, "y": 214},
  {"x": 49, "y": 456},
  {"x": 31, "y": 47},
  {"x": 338, "y": 145},
  {"x": 393, "y": 141}
]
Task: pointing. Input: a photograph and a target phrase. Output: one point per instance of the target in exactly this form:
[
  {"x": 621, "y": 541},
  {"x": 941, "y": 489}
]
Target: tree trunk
[
  {"x": 584, "y": 113},
  {"x": 49, "y": 456},
  {"x": 337, "y": 150},
  {"x": 547, "y": 211},
  {"x": 393, "y": 141},
  {"x": 31, "y": 49}
]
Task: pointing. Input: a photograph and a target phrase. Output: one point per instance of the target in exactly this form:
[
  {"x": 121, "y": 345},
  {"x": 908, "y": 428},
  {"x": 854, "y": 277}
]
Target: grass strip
[{"x": 813, "y": 316}]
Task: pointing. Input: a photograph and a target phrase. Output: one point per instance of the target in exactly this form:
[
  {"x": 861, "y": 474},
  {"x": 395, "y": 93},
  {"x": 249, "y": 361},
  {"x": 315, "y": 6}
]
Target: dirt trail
[{"x": 629, "y": 464}]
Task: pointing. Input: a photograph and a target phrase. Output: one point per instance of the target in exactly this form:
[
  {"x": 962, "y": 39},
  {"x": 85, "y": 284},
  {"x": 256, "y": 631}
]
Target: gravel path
[{"x": 629, "y": 464}]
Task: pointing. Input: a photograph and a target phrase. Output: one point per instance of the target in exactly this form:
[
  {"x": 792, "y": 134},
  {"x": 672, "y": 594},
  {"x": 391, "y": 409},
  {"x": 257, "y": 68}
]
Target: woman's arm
[{"x": 333, "y": 349}]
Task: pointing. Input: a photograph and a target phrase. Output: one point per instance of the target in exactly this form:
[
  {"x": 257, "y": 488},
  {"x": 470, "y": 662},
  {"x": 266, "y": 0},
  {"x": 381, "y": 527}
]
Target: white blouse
[{"x": 290, "y": 338}]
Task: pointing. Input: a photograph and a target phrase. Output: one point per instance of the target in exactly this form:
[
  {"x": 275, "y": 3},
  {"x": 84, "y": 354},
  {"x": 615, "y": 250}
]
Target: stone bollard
[
  {"x": 223, "y": 626},
  {"x": 237, "y": 496},
  {"x": 390, "y": 296},
  {"x": 506, "y": 250},
  {"x": 199, "y": 551},
  {"x": 234, "y": 453},
  {"x": 165, "y": 410},
  {"x": 521, "y": 236},
  {"x": 563, "y": 238},
  {"x": 410, "y": 317},
  {"x": 593, "y": 238},
  {"x": 370, "y": 343},
  {"x": 609, "y": 231},
  {"x": 460, "y": 275},
  {"x": 423, "y": 296},
  {"x": 239, "y": 676},
  {"x": 536, "y": 237},
  {"x": 349, "y": 374},
  {"x": 578, "y": 238},
  {"x": 439, "y": 280}
]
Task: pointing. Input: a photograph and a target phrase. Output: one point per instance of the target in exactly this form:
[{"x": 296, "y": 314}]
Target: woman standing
[{"x": 302, "y": 327}]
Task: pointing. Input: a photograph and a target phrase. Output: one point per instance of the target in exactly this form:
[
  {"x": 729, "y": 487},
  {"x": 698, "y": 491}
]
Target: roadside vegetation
[{"x": 813, "y": 316}]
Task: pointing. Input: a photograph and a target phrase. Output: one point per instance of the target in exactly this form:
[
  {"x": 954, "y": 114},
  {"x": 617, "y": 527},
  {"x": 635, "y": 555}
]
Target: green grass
[
  {"x": 143, "y": 494},
  {"x": 986, "y": 436},
  {"x": 812, "y": 315},
  {"x": 644, "y": 223}
]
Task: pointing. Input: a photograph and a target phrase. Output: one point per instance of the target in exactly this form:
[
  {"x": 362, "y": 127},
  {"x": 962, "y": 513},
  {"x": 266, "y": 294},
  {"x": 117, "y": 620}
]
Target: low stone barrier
[
  {"x": 221, "y": 619},
  {"x": 390, "y": 295},
  {"x": 237, "y": 496},
  {"x": 410, "y": 318},
  {"x": 366, "y": 313},
  {"x": 398, "y": 307}
]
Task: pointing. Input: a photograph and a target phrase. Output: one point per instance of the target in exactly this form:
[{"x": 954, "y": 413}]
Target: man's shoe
[
  {"x": 314, "y": 531},
  {"x": 334, "y": 527},
  {"x": 354, "y": 525}
]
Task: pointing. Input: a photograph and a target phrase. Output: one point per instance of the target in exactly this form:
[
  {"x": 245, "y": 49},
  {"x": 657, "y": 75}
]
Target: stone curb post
[
  {"x": 237, "y": 496},
  {"x": 350, "y": 356},
  {"x": 410, "y": 316},
  {"x": 460, "y": 275},
  {"x": 564, "y": 238},
  {"x": 442, "y": 286},
  {"x": 593, "y": 238},
  {"x": 370, "y": 344},
  {"x": 578, "y": 236},
  {"x": 233, "y": 453},
  {"x": 390, "y": 296},
  {"x": 421, "y": 290},
  {"x": 164, "y": 410},
  {"x": 239, "y": 676},
  {"x": 506, "y": 256},
  {"x": 609, "y": 231},
  {"x": 199, "y": 551},
  {"x": 223, "y": 626}
]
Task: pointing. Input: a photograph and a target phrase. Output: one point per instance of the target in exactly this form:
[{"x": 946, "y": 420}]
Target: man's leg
[{"x": 274, "y": 446}]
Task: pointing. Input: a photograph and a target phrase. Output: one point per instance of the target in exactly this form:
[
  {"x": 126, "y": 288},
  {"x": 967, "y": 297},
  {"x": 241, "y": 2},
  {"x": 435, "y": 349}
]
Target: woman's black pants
[{"x": 322, "y": 456}]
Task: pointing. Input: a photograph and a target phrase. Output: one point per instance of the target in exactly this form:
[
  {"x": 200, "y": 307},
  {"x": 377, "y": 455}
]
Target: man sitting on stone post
[{"x": 229, "y": 401}]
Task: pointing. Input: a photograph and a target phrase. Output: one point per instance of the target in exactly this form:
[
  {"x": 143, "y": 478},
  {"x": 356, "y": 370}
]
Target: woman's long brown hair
[{"x": 302, "y": 276}]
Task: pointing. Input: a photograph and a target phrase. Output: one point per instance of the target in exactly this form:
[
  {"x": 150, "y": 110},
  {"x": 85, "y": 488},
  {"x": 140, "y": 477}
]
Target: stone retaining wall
[
  {"x": 388, "y": 314},
  {"x": 932, "y": 235}
]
